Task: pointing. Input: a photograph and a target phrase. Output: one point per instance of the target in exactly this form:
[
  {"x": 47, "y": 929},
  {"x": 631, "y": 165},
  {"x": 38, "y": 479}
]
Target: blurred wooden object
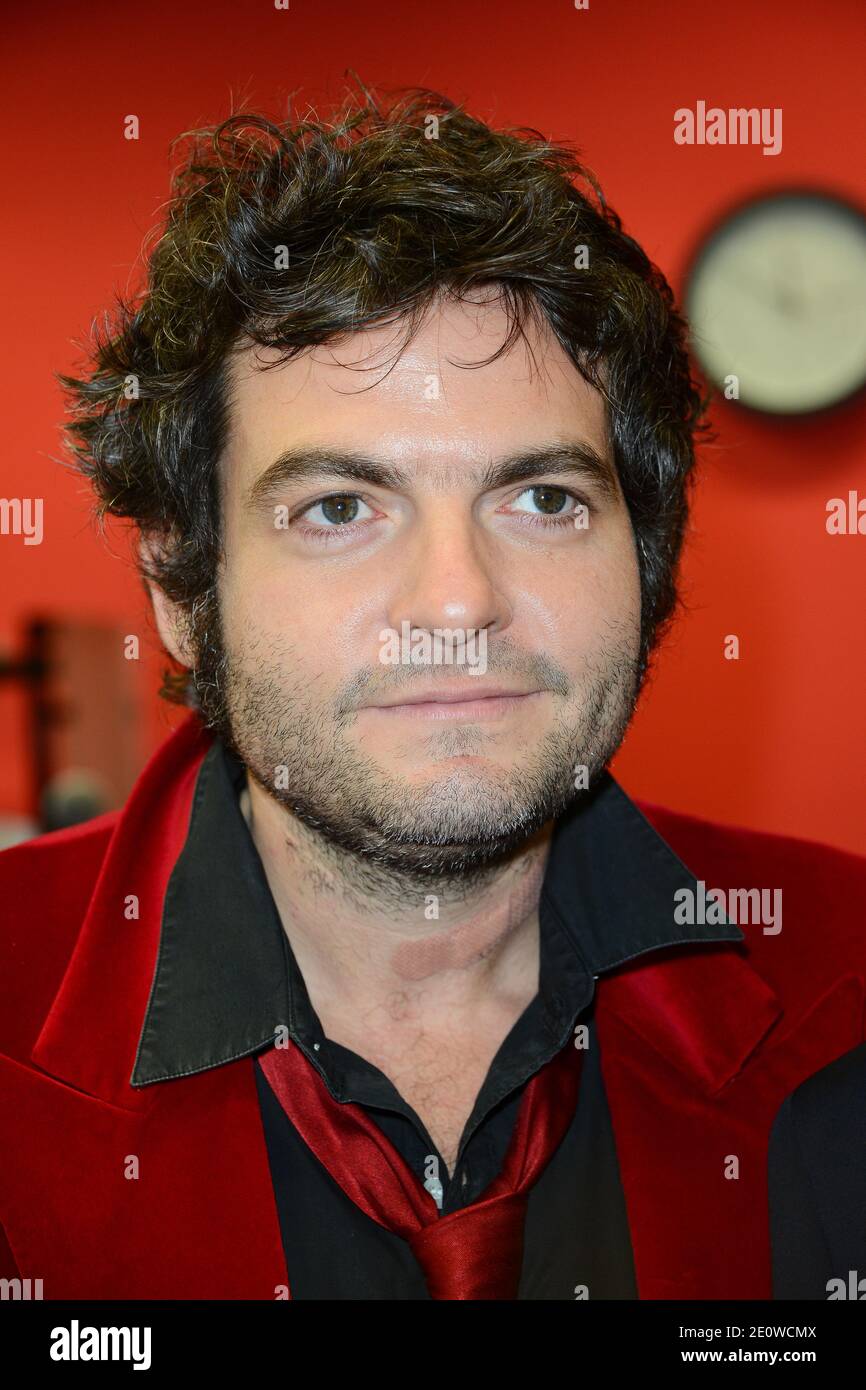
[{"x": 84, "y": 698}]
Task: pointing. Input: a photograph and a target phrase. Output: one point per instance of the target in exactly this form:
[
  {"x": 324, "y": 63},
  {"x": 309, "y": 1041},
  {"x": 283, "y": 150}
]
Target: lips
[
  {"x": 455, "y": 694},
  {"x": 451, "y": 706}
]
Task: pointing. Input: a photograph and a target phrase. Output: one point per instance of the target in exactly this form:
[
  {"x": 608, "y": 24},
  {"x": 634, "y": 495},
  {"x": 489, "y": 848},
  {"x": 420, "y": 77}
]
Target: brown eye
[
  {"x": 548, "y": 501},
  {"x": 340, "y": 509}
]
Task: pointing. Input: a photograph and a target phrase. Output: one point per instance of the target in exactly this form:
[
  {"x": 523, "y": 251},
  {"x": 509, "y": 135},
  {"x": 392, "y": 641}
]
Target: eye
[
  {"x": 553, "y": 504},
  {"x": 339, "y": 514}
]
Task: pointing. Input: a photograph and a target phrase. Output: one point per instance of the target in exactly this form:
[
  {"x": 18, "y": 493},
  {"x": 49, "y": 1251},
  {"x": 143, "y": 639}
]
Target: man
[{"x": 380, "y": 987}]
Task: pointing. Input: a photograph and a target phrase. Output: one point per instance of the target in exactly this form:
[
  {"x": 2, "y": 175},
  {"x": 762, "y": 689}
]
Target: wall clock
[{"x": 776, "y": 297}]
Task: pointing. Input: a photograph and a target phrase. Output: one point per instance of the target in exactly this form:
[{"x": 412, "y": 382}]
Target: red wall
[{"x": 773, "y": 741}]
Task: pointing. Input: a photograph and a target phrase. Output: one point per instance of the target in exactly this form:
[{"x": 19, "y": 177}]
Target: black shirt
[{"x": 226, "y": 979}]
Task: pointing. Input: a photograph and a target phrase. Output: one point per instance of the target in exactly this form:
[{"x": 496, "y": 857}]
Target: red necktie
[{"x": 473, "y": 1253}]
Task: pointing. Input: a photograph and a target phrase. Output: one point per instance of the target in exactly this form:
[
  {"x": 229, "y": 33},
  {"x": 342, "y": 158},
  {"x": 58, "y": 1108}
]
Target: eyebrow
[{"x": 576, "y": 458}]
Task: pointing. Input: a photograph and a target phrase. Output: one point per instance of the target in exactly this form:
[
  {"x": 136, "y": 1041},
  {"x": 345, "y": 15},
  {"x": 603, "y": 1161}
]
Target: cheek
[
  {"x": 583, "y": 604},
  {"x": 618, "y": 586},
  {"x": 613, "y": 580},
  {"x": 330, "y": 624},
  {"x": 259, "y": 606}
]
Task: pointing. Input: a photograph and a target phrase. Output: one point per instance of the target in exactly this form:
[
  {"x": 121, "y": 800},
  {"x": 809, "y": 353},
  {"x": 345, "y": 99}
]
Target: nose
[{"x": 448, "y": 576}]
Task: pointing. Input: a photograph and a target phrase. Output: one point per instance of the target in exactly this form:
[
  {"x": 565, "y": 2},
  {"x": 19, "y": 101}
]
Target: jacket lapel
[
  {"x": 696, "y": 1059},
  {"x": 174, "y": 1203},
  {"x": 163, "y": 1191}
]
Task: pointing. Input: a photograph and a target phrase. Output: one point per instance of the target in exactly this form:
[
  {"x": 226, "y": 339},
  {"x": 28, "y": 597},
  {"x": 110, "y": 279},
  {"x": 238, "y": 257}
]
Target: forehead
[{"x": 432, "y": 407}]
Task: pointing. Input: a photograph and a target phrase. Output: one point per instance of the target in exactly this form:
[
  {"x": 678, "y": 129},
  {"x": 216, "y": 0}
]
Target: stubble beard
[{"x": 450, "y": 833}]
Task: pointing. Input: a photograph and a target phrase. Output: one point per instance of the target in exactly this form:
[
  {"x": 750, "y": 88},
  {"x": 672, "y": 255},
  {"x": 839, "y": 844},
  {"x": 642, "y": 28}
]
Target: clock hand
[
  {"x": 755, "y": 289},
  {"x": 788, "y": 301}
]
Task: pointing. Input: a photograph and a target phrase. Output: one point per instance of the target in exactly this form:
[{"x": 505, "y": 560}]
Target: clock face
[{"x": 777, "y": 299}]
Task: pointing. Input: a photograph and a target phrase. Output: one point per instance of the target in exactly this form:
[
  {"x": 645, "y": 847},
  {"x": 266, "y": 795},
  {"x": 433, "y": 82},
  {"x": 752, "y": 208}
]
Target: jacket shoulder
[
  {"x": 738, "y": 844},
  {"x": 29, "y": 871},
  {"x": 821, "y": 892},
  {"x": 45, "y": 887}
]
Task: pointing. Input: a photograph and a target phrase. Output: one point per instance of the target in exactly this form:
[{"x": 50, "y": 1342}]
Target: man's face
[{"x": 310, "y": 589}]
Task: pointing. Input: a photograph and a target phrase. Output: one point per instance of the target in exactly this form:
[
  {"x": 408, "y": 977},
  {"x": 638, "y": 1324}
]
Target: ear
[{"x": 166, "y": 612}]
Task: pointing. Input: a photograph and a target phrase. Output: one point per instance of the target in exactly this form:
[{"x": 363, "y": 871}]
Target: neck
[{"x": 421, "y": 956}]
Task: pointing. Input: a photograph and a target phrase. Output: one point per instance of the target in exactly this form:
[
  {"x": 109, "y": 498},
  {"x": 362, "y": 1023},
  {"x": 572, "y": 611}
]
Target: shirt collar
[{"x": 226, "y": 978}]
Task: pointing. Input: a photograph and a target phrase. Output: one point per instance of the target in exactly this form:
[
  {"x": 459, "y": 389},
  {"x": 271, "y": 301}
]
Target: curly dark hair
[{"x": 287, "y": 235}]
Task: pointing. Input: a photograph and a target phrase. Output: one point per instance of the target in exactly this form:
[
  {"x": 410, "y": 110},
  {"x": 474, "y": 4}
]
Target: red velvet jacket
[{"x": 698, "y": 1050}]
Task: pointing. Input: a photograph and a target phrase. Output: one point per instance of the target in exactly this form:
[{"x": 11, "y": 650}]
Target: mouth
[{"x": 458, "y": 705}]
